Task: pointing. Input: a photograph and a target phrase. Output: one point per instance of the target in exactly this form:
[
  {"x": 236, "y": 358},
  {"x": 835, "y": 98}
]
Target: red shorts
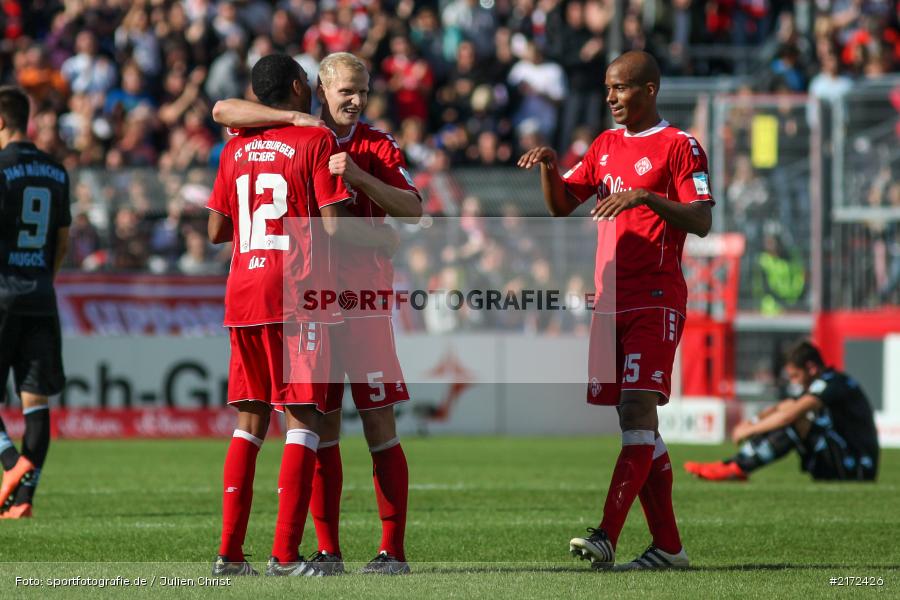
[
  {"x": 642, "y": 348},
  {"x": 280, "y": 364},
  {"x": 363, "y": 349}
]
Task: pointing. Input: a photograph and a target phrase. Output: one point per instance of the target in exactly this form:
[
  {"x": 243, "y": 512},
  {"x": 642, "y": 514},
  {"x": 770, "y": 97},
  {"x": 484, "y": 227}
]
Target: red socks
[
  {"x": 325, "y": 506},
  {"x": 627, "y": 480},
  {"x": 298, "y": 465},
  {"x": 656, "y": 500},
  {"x": 391, "y": 475},
  {"x": 237, "y": 496}
]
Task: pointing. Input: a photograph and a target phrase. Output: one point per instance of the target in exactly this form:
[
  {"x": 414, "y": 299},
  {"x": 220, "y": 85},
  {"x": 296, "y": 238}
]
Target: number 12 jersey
[{"x": 272, "y": 184}]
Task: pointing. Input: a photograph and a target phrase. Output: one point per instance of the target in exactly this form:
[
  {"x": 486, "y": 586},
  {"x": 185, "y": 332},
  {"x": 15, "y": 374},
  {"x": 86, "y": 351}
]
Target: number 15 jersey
[{"x": 272, "y": 184}]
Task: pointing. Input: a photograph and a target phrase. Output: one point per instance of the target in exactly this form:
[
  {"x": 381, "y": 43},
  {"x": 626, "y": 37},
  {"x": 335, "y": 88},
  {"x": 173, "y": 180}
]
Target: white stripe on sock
[
  {"x": 329, "y": 444},
  {"x": 244, "y": 435},
  {"x": 303, "y": 437},
  {"x": 34, "y": 409},
  {"x": 660, "y": 448},
  {"x": 638, "y": 437},
  {"x": 385, "y": 446}
]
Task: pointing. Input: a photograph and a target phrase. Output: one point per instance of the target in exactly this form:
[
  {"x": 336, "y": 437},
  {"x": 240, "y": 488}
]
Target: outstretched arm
[
  {"x": 238, "y": 114},
  {"x": 559, "y": 201}
]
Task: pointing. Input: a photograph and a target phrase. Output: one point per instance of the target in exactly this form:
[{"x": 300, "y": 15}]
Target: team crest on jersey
[
  {"x": 595, "y": 387},
  {"x": 643, "y": 166},
  {"x": 572, "y": 170}
]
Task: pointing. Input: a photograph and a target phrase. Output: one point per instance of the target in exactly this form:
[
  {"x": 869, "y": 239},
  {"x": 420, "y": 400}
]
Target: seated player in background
[
  {"x": 371, "y": 164},
  {"x": 830, "y": 425},
  {"x": 34, "y": 233}
]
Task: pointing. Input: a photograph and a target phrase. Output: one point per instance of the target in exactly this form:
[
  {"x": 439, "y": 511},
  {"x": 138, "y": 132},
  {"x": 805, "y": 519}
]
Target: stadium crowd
[{"x": 124, "y": 89}]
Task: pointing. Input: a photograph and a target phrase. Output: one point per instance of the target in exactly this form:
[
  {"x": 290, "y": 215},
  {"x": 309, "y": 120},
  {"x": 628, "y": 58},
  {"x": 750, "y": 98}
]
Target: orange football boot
[{"x": 12, "y": 478}]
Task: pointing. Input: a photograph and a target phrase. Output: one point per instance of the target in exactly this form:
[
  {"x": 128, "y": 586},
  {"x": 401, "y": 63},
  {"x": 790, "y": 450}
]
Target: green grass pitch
[{"x": 489, "y": 518}]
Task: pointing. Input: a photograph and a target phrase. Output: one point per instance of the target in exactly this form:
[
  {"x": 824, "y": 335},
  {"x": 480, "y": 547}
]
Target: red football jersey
[
  {"x": 267, "y": 176},
  {"x": 663, "y": 160},
  {"x": 375, "y": 152}
]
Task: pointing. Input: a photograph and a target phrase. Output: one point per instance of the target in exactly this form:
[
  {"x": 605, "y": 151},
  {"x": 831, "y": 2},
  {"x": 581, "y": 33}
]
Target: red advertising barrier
[
  {"x": 138, "y": 304},
  {"x": 161, "y": 423},
  {"x": 832, "y": 329}
]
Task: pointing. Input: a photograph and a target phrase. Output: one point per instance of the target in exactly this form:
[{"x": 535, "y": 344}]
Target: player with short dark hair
[
  {"x": 34, "y": 233},
  {"x": 266, "y": 177},
  {"x": 371, "y": 163},
  {"x": 652, "y": 181},
  {"x": 830, "y": 425}
]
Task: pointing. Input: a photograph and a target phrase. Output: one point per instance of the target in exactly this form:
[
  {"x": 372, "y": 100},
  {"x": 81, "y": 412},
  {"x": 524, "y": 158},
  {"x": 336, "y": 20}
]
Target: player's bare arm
[
  {"x": 219, "y": 228},
  {"x": 403, "y": 205},
  {"x": 347, "y": 227},
  {"x": 237, "y": 114},
  {"x": 62, "y": 247},
  {"x": 695, "y": 217},
  {"x": 786, "y": 413},
  {"x": 559, "y": 202}
]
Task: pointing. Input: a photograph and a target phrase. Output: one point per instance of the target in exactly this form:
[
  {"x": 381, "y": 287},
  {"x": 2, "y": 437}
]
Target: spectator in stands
[
  {"x": 830, "y": 85},
  {"x": 130, "y": 249},
  {"x": 337, "y": 37},
  {"x": 779, "y": 279},
  {"x": 83, "y": 240},
  {"x": 580, "y": 53},
  {"x": 412, "y": 140},
  {"x": 228, "y": 72},
  {"x": 409, "y": 78},
  {"x": 136, "y": 39},
  {"x": 40, "y": 79},
  {"x": 748, "y": 199},
  {"x": 542, "y": 86},
  {"x": 131, "y": 94},
  {"x": 195, "y": 260},
  {"x": 89, "y": 72},
  {"x": 470, "y": 20},
  {"x": 166, "y": 242}
]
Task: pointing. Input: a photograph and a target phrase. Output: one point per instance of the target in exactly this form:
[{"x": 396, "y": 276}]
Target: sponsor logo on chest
[{"x": 612, "y": 185}]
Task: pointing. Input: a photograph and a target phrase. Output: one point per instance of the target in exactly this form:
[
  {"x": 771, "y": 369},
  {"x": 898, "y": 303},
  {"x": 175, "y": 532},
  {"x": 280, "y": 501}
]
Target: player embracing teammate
[
  {"x": 269, "y": 180},
  {"x": 362, "y": 347},
  {"x": 652, "y": 184}
]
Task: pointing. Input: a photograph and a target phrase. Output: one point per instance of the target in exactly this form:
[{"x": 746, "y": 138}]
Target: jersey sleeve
[
  {"x": 218, "y": 199},
  {"x": 580, "y": 180},
  {"x": 826, "y": 390},
  {"x": 328, "y": 188},
  {"x": 391, "y": 168},
  {"x": 690, "y": 171}
]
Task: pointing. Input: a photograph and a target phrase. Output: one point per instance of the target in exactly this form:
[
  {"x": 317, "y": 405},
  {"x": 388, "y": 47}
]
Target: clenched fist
[{"x": 342, "y": 165}]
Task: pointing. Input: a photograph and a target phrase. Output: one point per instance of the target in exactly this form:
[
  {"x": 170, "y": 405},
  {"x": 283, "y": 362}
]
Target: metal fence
[{"x": 861, "y": 249}]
